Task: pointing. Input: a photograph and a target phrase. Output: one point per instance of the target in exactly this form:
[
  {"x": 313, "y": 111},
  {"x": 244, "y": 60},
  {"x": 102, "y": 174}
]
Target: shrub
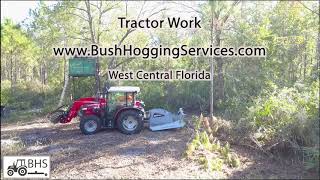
[
  {"x": 216, "y": 155},
  {"x": 25, "y": 95},
  {"x": 312, "y": 157},
  {"x": 5, "y": 91},
  {"x": 286, "y": 116}
]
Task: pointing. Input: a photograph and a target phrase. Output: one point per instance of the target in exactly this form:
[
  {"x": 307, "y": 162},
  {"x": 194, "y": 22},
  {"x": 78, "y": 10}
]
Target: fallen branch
[{"x": 260, "y": 146}]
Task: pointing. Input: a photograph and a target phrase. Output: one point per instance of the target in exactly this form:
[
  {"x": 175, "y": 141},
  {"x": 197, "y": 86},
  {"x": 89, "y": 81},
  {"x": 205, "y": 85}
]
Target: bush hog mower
[{"x": 116, "y": 107}]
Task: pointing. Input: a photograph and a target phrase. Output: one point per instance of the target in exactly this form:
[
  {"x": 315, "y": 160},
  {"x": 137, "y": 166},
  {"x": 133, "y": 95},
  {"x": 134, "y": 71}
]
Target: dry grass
[{"x": 11, "y": 147}]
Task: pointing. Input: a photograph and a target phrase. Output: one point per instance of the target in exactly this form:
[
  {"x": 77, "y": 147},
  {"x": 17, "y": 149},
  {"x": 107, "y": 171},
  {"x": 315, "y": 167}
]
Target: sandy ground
[{"x": 110, "y": 154}]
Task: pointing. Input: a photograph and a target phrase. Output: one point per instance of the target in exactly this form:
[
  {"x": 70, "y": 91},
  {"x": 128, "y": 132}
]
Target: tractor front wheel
[
  {"x": 130, "y": 122},
  {"x": 90, "y": 124},
  {"x": 10, "y": 172}
]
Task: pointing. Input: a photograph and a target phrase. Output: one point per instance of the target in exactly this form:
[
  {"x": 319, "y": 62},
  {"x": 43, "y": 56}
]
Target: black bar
[{"x": 35, "y": 172}]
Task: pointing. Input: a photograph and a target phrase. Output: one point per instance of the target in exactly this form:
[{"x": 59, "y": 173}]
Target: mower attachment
[
  {"x": 58, "y": 115},
  {"x": 161, "y": 119}
]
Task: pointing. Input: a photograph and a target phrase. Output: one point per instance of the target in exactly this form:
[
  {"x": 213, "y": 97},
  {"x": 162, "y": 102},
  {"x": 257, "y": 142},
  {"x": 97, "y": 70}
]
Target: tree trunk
[
  {"x": 11, "y": 71},
  {"x": 220, "y": 78},
  {"x": 15, "y": 71},
  {"x": 64, "y": 87},
  {"x": 211, "y": 69},
  {"x": 93, "y": 41},
  {"x": 66, "y": 77},
  {"x": 318, "y": 54}
]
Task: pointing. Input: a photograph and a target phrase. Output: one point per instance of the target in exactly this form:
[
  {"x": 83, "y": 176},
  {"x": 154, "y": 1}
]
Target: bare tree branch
[
  {"x": 125, "y": 36},
  {"x": 94, "y": 5},
  {"x": 78, "y": 16},
  {"x": 124, "y": 61},
  {"x": 190, "y": 7},
  {"x": 110, "y": 8},
  {"x": 157, "y": 12},
  {"x": 144, "y": 2},
  {"x": 81, "y": 9},
  {"x": 90, "y": 21},
  {"x": 309, "y": 8},
  {"x": 129, "y": 31},
  {"x": 225, "y": 18},
  {"x": 80, "y": 38}
]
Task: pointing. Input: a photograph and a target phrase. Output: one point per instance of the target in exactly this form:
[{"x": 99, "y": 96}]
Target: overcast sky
[{"x": 18, "y": 10}]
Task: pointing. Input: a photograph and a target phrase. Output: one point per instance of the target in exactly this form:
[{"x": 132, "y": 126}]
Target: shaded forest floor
[{"x": 110, "y": 154}]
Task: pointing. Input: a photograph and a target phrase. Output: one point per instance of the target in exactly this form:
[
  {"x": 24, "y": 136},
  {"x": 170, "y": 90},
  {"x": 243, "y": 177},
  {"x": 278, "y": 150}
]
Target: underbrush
[
  {"x": 27, "y": 95},
  {"x": 21, "y": 116},
  {"x": 27, "y": 100},
  {"x": 286, "y": 121},
  {"x": 205, "y": 147},
  {"x": 12, "y": 147},
  {"x": 281, "y": 123}
]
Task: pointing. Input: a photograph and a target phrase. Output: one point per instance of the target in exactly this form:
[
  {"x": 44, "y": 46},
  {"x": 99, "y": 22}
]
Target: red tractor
[{"x": 117, "y": 107}]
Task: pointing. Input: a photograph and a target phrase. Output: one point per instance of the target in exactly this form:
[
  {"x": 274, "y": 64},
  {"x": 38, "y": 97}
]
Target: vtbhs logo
[{"x": 26, "y": 166}]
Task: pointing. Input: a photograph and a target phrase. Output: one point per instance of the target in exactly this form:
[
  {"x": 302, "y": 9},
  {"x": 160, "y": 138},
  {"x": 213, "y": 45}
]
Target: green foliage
[
  {"x": 213, "y": 164},
  {"x": 26, "y": 95},
  {"x": 291, "y": 116},
  {"x": 5, "y": 92},
  {"x": 197, "y": 122},
  {"x": 17, "y": 51},
  {"x": 204, "y": 138},
  {"x": 234, "y": 161},
  {"x": 312, "y": 157},
  {"x": 21, "y": 116},
  {"x": 172, "y": 95},
  {"x": 222, "y": 153},
  {"x": 190, "y": 149},
  {"x": 288, "y": 114}
]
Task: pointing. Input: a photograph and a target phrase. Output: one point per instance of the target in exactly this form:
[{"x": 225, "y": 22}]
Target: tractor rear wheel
[
  {"x": 22, "y": 171},
  {"x": 90, "y": 124},
  {"x": 130, "y": 122}
]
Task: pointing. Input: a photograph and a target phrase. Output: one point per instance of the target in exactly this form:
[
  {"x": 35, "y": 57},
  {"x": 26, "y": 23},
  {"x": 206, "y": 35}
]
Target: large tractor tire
[
  {"x": 22, "y": 171},
  {"x": 130, "y": 122},
  {"x": 90, "y": 124}
]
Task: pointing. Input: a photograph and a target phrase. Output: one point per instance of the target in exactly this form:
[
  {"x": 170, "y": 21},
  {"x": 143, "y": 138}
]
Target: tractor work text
[{"x": 172, "y": 22}]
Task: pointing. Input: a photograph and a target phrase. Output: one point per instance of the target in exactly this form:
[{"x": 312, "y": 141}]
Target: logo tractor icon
[{"x": 18, "y": 166}]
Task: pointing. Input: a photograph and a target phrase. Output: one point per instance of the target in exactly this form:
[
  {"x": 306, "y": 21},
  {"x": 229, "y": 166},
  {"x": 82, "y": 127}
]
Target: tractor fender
[{"x": 117, "y": 114}]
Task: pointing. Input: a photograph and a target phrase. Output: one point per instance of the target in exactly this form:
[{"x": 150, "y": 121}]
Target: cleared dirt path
[{"x": 110, "y": 154}]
